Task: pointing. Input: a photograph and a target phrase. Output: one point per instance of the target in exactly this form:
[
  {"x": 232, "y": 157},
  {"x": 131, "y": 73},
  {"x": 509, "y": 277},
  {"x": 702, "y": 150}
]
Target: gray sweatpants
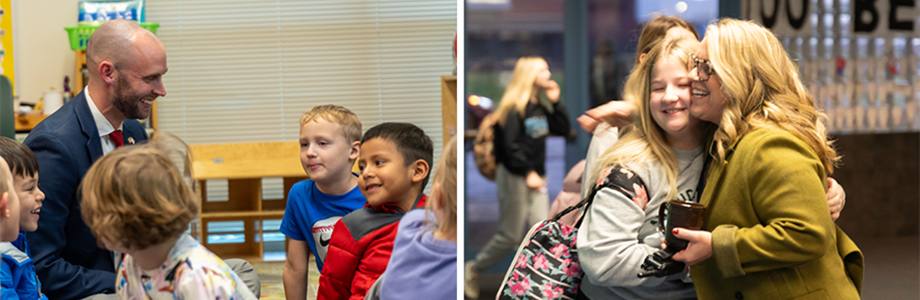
[{"x": 519, "y": 208}]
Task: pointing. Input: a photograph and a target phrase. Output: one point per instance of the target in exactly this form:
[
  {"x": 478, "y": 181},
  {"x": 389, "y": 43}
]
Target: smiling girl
[{"x": 664, "y": 151}]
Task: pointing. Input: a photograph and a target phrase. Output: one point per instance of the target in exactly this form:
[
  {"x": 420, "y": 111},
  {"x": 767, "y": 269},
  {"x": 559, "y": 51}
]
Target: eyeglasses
[{"x": 703, "y": 67}]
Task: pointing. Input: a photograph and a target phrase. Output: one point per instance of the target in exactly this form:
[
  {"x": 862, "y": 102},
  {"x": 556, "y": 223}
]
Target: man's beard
[{"x": 126, "y": 102}]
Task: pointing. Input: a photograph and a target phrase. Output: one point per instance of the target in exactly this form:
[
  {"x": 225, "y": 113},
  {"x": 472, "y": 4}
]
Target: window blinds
[{"x": 244, "y": 71}]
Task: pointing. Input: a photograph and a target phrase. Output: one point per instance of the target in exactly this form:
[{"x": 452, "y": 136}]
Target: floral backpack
[{"x": 546, "y": 264}]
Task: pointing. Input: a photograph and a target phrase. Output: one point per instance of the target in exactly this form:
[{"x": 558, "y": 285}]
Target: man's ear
[
  {"x": 107, "y": 72},
  {"x": 419, "y": 170}
]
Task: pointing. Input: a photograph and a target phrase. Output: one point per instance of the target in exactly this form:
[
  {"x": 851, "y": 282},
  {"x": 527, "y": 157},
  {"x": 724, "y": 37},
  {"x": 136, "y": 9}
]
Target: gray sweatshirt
[{"x": 617, "y": 235}]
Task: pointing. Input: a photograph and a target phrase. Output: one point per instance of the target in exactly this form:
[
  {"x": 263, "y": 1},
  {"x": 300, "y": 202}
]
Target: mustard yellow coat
[{"x": 772, "y": 234}]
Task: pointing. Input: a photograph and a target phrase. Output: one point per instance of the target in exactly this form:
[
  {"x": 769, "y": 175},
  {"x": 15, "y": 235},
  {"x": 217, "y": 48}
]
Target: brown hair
[
  {"x": 656, "y": 29},
  {"x": 351, "y": 125},
  {"x": 135, "y": 196},
  {"x": 19, "y": 157}
]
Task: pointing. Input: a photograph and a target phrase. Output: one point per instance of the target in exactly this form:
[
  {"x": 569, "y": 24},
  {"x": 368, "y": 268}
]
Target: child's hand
[
  {"x": 534, "y": 181},
  {"x": 552, "y": 91}
]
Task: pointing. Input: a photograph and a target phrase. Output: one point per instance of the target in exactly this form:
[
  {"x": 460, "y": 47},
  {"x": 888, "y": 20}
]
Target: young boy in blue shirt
[
  {"x": 17, "y": 272},
  {"x": 329, "y": 145}
]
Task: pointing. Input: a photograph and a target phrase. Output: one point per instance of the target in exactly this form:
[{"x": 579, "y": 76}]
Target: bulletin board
[{"x": 6, "y": 42}]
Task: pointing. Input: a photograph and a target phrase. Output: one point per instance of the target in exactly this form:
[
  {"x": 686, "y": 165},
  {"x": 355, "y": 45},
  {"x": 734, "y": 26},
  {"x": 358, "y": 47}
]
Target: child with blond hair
[
  {"x": 329, "y": 143},
  {"x": 425, "y": 249},
  {"x": 136, "y": 201}
]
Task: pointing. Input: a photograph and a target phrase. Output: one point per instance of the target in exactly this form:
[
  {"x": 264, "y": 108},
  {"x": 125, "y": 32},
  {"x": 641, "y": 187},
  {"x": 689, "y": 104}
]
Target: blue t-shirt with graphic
[{"x": 311, "y": 215}]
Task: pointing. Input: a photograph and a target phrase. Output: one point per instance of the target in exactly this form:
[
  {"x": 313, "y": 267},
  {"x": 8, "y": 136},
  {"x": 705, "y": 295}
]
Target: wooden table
[{"x": 25, "y": 123}]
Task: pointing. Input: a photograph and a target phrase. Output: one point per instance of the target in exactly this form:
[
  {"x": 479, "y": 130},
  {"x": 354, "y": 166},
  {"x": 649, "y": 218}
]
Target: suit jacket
[
  {"x": 772, "y": 234},
  {"x": 67, "y": 260}
]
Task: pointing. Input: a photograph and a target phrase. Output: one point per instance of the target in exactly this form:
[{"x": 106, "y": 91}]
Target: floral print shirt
[{"x": 189, "y": 272}]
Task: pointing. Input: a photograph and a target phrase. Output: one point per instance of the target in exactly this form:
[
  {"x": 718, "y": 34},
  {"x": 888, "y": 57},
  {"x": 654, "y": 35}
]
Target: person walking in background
[{"x": 524, "y": 122}]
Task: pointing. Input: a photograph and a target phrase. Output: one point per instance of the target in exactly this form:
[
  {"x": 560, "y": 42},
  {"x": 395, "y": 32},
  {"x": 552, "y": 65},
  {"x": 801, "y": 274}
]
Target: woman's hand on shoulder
[
  {"x": 616, "y": 113},
  {"x": 836, "y": 197}
]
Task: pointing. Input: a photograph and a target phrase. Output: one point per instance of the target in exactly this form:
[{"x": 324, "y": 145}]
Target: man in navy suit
[{"x": 126, "y": 65}]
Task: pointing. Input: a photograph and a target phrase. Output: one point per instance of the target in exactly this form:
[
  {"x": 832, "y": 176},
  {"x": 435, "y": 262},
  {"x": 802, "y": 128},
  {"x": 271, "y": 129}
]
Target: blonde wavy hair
[
  {"x": 521, "y": 90},
  {"x": 644, "y": 140},
  {"x": 347, "y": 120},
  {"x": 445, "y": 175},
  {"x": 762, "y": 89},
  {"x": 136, "y": 196}
]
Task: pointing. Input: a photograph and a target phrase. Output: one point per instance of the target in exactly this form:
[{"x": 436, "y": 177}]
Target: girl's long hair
[{"x": 645, "y": 141}]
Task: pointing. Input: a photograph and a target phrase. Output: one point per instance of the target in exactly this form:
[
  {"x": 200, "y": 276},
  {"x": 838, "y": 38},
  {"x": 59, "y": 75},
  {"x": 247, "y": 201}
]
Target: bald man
[{"x": 126, "y": 65}]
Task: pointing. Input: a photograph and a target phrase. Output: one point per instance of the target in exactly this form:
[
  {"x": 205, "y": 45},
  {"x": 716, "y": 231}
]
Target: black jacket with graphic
[{"x": 520, "y": 145}]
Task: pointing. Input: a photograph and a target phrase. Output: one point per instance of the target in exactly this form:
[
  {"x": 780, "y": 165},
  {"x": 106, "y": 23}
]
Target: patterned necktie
[{"x": 117, "y": 138}]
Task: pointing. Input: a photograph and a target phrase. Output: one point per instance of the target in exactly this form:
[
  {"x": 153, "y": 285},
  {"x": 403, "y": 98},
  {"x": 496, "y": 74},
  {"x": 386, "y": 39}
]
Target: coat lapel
[
  {"x": 716, "y": 173},
  {"x": 88, "y": 126}
]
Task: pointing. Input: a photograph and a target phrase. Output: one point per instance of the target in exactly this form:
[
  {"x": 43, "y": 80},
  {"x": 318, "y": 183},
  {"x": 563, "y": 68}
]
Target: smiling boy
[{"x": 394, "y": 163}]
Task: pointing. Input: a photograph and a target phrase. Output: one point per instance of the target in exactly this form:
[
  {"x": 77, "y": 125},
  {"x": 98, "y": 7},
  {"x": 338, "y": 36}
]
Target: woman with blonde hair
[
  {"x": 520, "y": 151},
  {"x": 659, "y": 158},
  {"x": 767, "y": 232}
]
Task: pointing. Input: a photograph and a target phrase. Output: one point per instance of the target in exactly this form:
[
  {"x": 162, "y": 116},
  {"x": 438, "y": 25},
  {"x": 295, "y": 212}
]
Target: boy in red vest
[{"x": 394, "y": 163}]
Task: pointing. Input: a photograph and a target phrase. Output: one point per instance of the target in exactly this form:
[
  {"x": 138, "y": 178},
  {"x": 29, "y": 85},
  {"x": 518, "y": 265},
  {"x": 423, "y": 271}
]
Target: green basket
[{"x": 80, "y": 34}]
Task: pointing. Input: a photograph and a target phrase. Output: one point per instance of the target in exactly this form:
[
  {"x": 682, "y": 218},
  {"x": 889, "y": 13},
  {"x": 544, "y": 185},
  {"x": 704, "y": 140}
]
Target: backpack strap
[{"x": 619, "y": 178}]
